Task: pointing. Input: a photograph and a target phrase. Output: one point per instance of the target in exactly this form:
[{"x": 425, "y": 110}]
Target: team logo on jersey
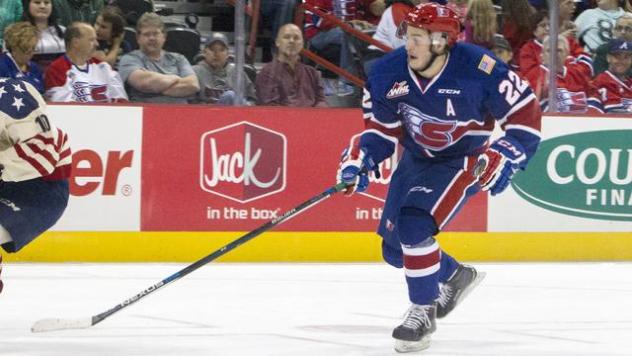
[
  {"x": 487, "y": 64},
  {"x": 428, "y": 131},
  {"x": 398, "y": 89},
  {"x": 243, "y": 162},
  {"x": 85, "y": 92},
  {"x": 571, "y": 102}
]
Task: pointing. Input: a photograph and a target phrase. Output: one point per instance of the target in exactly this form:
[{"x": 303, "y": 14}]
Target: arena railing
[{"x": 302, "y": 8}]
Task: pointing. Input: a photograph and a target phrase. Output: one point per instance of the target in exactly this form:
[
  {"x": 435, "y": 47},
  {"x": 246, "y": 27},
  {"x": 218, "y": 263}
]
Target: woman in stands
[
  {"x": 51, "y": 44},
  {"x": 516, "y": 24},
  {"x": 110, "y": 28},
  {"x": 480, "y": 23},
  {"x": 20, "y": 40}
]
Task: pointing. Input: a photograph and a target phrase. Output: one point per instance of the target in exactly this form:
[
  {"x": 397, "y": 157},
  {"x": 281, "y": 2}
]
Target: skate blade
[{"x": 403, "y": 346}]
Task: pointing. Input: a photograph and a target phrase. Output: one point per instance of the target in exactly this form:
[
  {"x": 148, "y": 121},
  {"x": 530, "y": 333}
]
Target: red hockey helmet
[{"x": 434, "y": 18}]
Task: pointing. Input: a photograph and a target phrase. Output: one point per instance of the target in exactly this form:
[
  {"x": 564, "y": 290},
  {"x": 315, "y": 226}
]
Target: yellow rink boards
[{"x": 316, "y": 247}]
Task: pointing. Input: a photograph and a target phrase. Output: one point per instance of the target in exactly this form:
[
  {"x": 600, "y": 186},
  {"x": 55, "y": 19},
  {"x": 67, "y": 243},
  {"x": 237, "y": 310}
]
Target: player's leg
[
  {"x": 456, "y": 280},
  {"x": 422, "y": 265},
  {"x": 27, "y": 209},
  {"x": 418, "y": 253}
]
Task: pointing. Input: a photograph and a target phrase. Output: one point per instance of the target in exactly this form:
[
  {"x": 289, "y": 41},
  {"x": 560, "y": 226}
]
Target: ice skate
[
  {"x": 414, "y": 333},
  {"x": 452, "y": 292}
]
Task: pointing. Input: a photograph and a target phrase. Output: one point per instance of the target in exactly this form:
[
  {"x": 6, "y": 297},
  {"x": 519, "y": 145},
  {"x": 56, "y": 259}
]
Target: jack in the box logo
[{"x": 243, "y": 162}]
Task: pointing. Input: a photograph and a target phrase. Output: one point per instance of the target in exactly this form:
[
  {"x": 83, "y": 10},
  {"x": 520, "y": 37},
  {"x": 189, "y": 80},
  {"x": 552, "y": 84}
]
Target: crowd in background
[{"x": 76, "y": 51}]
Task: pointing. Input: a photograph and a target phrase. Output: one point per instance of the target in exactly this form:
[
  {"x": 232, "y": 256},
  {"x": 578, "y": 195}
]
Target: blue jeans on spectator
[
  {"x": 227, "y": 98},
  {"x": 279, "y": 11},
  {"x": 336, "y": 36}
]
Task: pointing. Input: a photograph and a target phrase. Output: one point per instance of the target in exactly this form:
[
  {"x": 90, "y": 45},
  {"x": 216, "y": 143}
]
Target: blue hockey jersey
[{"x": 451, "y": 115}]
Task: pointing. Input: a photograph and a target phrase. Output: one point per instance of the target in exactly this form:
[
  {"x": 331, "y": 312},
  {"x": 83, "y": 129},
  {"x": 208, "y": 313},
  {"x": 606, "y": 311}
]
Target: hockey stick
[{"x": 82, "y": 323}]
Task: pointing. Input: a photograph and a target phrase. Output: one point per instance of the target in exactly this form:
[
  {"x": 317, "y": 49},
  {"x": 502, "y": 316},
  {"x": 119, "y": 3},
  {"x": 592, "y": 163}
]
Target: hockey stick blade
[
  {"x": 44, "y": 325},
  {"x": 64, "y": 324}
]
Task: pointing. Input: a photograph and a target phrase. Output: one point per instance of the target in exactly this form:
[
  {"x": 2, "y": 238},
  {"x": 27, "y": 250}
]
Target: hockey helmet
[{"x": 433, "y": 18}]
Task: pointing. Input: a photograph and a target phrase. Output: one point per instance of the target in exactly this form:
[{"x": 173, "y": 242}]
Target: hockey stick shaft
[{"x": 58, "y": 324}]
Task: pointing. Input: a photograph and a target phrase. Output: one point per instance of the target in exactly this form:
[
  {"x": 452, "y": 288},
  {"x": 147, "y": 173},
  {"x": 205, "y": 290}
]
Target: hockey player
[
  {"x": 614, "y": 85},
  {"x": 439, "y": 100},
  {"x": 35, "y": 161}
]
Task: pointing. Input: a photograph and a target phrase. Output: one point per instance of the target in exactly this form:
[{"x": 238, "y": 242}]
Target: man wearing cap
[
  {"x": 594, "y": 26},
  {"x": 217, "y": 77},
  {"x": 502, "y": 50},
  {"x": 615, "y": 84},
  {"x": 622, "y": 30},
  {"x": 153, "y": 74}
]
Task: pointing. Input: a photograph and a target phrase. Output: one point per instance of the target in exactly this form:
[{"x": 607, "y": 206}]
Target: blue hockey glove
[
  {"x": 354, "y": 170},
  {"x": 499, "y": 163}
]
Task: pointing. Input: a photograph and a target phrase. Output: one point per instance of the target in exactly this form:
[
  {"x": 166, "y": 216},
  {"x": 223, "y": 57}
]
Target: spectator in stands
[
  {"x": 10, "y": 12},
  {"x": 622, "y": 30},
  {"x": 502, "y": 49},
  {"x": 110, "y": 27},
  {"x": 70, "y": 11},
  {"x": 372, "y": 10},
  {"x": 386, "y": 31},
  {"x": 152, "y": 74},
  {"x": 20, "y": 40},
  {"x": 539, "y": 4},
  {"x": 322, "y": 33},
  {"x": 278, "y": 13},
  {"x": 50, "y": 45},
  {"x": 530, "y": 55},
  {"x": 575, "y": 94},
  {"x": 567, "y": 26},
  {"x": 615, "y": 84},
  {"x": 459, "y": 7},
  {"x": 77, "y": 76},
  {"x": 480, "y": 23},
  {"x": 516, "y": 25},
  {"x": 594, "y": 26},
  {"x": 217, "y": 76},
  {"x": 286, "y": 81}
]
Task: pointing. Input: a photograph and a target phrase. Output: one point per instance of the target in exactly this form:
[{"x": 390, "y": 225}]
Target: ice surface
[{"x": 531, "y": 309}]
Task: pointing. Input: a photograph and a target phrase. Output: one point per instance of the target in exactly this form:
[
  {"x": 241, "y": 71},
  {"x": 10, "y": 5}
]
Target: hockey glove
[
  {"x": 499, "y": 163},
  {"x": 354, "y": 170}
]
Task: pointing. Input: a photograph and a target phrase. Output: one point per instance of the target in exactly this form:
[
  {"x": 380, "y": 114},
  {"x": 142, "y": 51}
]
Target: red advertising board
[{"x": 232, "y": 169}]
